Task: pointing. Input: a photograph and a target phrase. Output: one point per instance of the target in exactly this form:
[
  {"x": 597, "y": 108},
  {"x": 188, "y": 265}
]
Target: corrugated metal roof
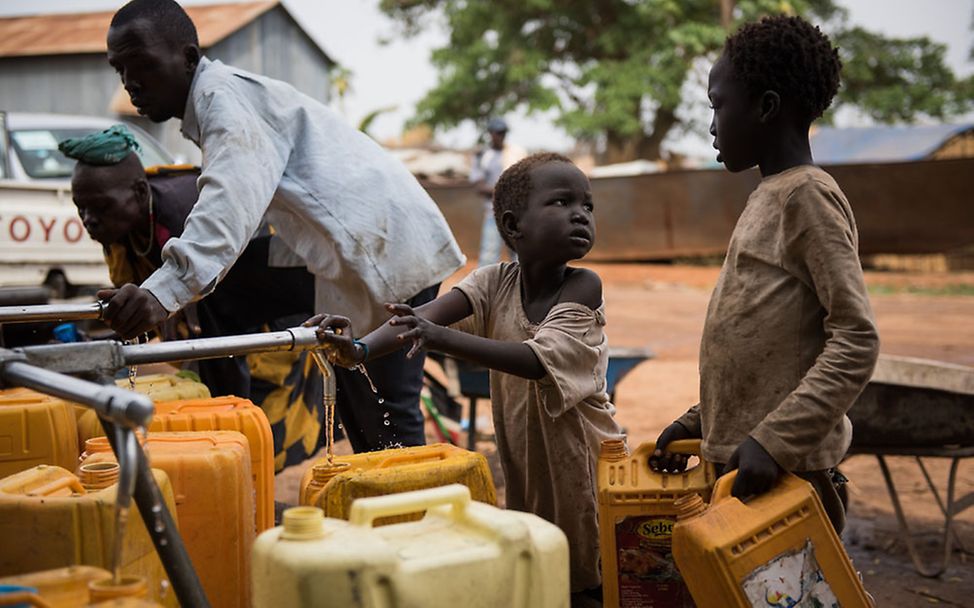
[
  {"x": 832, "y": 146},
  {"x": 72, "y": 33}
]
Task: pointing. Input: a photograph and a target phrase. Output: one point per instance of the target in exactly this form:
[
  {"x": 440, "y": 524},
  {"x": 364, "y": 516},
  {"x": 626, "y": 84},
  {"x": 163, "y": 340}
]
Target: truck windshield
[{"x": 38, "y": 154}]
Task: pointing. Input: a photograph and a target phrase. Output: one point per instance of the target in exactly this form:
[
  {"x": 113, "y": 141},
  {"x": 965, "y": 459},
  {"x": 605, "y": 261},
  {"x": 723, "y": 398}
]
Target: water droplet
[
  {"x": 385, "y": 422},
  {"x": 381, "y": 400},
  {"x": 340, "y": 426},
  {"x": 385, "y": 415},
  {"x": 163, "y": 541}
]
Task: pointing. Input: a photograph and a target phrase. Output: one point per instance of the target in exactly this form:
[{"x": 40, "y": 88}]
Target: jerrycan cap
[
  {"x": 613, "y": 450},
  {"x": 303, "y": 523},
  {"x": 323, "y": 472},
  {"x": 98, "y": 475},
  {"x": 689, "y": 506}
]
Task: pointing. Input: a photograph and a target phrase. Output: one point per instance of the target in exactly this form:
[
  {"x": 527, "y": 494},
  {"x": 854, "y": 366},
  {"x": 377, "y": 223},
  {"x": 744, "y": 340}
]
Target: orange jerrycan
[
  {"x": 223, "y": 414},
  {"x": 333, "y": 487},
  {"x": 210, "y": 476},
  {"x": 636, "y": 518},
  {"x": 462, "y": 553},
  {"x": 35, "y": 429},
  {"x": 777, "y": 549},
  {"x": 58, "y": 523},
  {"x": 62, "y": 587}
]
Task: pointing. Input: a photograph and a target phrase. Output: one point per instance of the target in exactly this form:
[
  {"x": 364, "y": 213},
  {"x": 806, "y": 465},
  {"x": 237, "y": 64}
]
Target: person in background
[
  {"x": 133, "y": 212},
  {"x": 538, "y": 324},
  {"x": 789, "y": 340},
  {"x": 487, "y": 167},
  {"x": 351, "y": 213}
]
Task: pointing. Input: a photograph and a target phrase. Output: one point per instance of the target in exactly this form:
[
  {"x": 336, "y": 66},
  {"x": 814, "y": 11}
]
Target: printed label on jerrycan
[
  {"x": 647, "y": 573},
  {"x": 790, "y": 580}
]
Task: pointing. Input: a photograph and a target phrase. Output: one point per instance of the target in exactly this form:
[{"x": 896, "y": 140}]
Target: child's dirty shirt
[
  {"x": 549, "y": 431},
  {"x": 789, "y": 341}
]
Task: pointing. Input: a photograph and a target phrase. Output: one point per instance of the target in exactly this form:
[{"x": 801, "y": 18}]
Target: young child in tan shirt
[
  {"x": 789, "y": 340},
  {"x": 538, "y": 324}
]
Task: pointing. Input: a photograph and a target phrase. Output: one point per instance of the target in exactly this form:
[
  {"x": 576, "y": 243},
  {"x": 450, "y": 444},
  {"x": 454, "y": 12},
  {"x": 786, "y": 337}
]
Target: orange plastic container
[
  {"x": 224, "y": 414},
  {"x": 55, "y": 522},
  {"x": 210, "y": 475},
  {"x": 334, "y": 487},
  {"x": 636, "y": 516},
  {"x": 35, "y": 429},
  {"x": 62, "y": 587},
  {"x": 778, "y": 549}
]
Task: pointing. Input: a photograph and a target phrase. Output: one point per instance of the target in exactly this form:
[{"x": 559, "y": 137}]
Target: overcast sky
[{"x": 398, "y": 72}]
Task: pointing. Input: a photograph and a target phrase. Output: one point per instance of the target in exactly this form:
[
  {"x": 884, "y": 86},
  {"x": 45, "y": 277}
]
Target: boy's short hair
[
  {"x": 790, "y": 56},
  {"x": 166, "y": 16},
  {"x": 514, "y": 186}
]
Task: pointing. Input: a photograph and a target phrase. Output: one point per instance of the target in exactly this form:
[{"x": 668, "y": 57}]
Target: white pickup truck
[{"x": 42, "y": 240}]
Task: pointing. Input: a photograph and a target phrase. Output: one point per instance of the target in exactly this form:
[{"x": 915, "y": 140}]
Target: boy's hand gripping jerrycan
[
  {"x": 637, "y": 511},
  {"x": 776, "y": 550}
]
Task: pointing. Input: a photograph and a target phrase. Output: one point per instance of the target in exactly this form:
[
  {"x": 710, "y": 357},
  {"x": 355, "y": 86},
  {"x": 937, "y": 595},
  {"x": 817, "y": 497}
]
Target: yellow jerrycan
[
  {"x": 462, "y": 553},
  {"x": 636, "y": 516},
  {"x": 777, "y": 549},
  {"x": 56, "y": 521},
  {"x": 210, "y": 476},
  {"x": 218, "y": 414},
  {"x": 35, "y": 429},
  {"x": 62, "y": 587},
  {"x": 74, "y": 587},
  {"x": 334, "y": 486},
  {"x": 167, "y": 387}
]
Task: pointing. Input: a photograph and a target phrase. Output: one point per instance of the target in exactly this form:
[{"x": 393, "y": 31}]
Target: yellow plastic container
[
  {"x": 333, "y": 487},
  {"x": 778, "y": 549},
  {"x": 167, "y": 387},
  {"x": 35, "y": 429},
  {"x": 210, "y": 475},
  {"x": 62, "y": 587},
  {"x": 636, "y": 518},
  {"x": 462, "y": 553},
  {"x": 221, "y": 414},
  {"x": 55, "y": 522}
]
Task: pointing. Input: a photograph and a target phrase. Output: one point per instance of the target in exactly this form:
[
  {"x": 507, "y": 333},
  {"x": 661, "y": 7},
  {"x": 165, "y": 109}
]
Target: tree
[{"x": 615, "y": 70}]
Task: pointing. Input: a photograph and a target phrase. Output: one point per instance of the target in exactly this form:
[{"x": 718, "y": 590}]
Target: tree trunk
[{"x": 624, "y": 148}]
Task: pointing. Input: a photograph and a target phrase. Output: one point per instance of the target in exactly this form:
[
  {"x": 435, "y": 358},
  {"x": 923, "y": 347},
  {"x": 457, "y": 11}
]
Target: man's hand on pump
[{"x": 131, "y": 310}]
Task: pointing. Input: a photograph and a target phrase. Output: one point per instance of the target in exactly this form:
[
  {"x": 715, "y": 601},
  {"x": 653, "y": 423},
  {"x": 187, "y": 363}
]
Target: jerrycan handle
[
  {"x": 70, "y": 483},
  {"x": 366, "y": 510},
  {"x": 438, "y": 453},
  {"x": 19, "y": 598},
  {"x": 690, "y": 447},
  {"x": 722, "y": 489}
]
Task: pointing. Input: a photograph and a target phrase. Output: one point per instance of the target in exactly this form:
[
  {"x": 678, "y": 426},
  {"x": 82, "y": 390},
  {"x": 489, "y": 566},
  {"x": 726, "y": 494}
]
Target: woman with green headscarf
[{"x": 133, "y": 212}]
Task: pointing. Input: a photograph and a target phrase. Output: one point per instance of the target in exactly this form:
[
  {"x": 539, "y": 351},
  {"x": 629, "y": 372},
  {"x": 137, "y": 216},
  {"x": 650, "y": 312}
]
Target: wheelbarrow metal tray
[{"x": 915, "y": 403}]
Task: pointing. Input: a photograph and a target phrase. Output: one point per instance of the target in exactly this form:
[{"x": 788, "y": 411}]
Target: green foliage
[{"x": 615, "y": 70}]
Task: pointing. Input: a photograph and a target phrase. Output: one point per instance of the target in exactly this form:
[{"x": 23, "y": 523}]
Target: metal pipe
[
  {"x": 295, "y": 338},
  {"x": 162, "y": 529},
  {"x": 51, "y": 312},
  {"x": 127, "y": 408}
]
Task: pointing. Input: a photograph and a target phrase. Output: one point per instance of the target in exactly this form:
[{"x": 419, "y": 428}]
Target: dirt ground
[{"x": 662, "y": 307}]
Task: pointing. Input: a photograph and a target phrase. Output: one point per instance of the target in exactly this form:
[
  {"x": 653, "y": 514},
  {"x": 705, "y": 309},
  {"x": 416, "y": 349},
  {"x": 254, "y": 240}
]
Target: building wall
[{"x": 272, "y": 45}]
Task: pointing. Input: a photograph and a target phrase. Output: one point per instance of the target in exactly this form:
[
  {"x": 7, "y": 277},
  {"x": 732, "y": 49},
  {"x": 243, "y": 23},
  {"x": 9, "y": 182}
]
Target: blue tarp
[{"x": 831, "y": 146}]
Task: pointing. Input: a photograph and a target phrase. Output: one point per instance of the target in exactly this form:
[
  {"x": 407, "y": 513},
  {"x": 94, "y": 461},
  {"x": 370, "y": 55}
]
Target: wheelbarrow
[
  {"x": 920, "y": 409},
  {"x": 473, "y": 382}
]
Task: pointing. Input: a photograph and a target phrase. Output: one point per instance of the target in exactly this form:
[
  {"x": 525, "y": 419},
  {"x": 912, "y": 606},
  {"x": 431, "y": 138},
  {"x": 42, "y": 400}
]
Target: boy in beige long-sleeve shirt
[{"x": 789, "y": 340}]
